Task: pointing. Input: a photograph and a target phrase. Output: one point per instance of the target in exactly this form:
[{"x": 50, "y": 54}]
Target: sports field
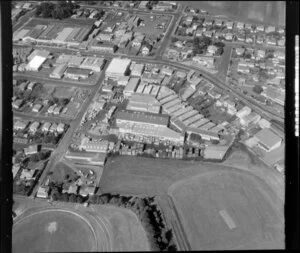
[
  {"x": 253, "y": 203},
  {"x": 53, "y": 231},
  {"x": 68, "y": 227},
  {"x": 252, "y": 221}
]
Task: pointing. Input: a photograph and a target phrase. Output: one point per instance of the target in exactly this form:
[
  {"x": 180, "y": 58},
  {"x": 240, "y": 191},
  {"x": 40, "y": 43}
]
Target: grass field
[
  {"x": 200, "y": 199},
  {"x": 268, "y": 12},
  {"x": 150, "y": 25},
  {"x": 67, "y": 227},
  {"x": 53, "y": 231},
  {"x": 253, "y": 185},
  {"x": 63, "y": 92}
]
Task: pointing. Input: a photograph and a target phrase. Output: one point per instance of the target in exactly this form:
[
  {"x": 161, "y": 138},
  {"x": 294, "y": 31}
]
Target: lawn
[
  {"x": 268, "y": 12},
  {"x": 246, "y": 198},
  {"x": 42, "y": 227},
  {"x": 150, "y": 25},
  {"x": 60, "y": 172},
  {"x": 200, "y": 199},
  {"x": 53, "y": 231},
  {"x": 63, "y": 92}
]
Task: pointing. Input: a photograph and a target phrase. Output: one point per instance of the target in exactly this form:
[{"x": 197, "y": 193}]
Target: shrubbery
[
  {"x": 61, "y": 10},
  {"x": 159, "y": 236}
]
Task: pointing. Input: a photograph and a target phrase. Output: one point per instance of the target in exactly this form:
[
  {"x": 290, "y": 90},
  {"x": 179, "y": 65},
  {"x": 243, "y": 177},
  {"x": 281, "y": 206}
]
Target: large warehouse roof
[
  {"x": 36, "y": 62},
  {"x": 267, "y": 137},
  {"x": 143, "y": 117},
  {"x": 143, "y": 99},
  {"x": 118, "y": 66}
]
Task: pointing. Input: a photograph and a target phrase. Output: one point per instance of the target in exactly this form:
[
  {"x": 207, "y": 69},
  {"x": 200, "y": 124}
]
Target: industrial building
[
  {"x": 267, "y": 139},
  {"x": 77, "y": 73},
  {"x": 243, "y": 112},
  {"x": 130, "y": 118},
  {"x": 131, "y": 86},
  {"x": 93, "y": 63},
  {"x": 215, "y": 152},
  {"x": 208, "y": 126},
  {"x": 205, "y": 135},
  {"x": 253, "y": 117},
  {"x": 193, "y": 119},
  {"x": 96, "y": 145},
  {"x": 187, "y": 115},
  {"x": 140, "y": 88},
  {"x": 199, "y": 123},
  {"x": 137, "y": 69},
  {"x": 93, "y": 158},
  {"x": 143, "y": 103},
  {"x": 58, "y": 71},
  {"x": 182, "y": 111},
  {"x": 118, "y": 67},
  {"x": 36, "y": 63}
]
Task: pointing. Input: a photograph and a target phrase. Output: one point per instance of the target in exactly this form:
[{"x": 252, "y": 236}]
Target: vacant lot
[
  {"x": 150, "y": 24},
  {"x": 62, "y": 227},
  {"x": 259, "y": 225},
  {"x": 63, "y": 92},
  {"x": 270, "y": 12}
]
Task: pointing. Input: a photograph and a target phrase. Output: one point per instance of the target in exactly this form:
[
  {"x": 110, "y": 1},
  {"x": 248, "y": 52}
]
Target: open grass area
[
  {"x": 255, "y": 11},
  {"x": 60, "y": 172},
  {"x": 63, "y": 92},
  {"x": 53, "y": 231},
  {"x": 258, "y": 224},
  {"x": 68, "y": 227},
  {"x": 150, "y": 24}
]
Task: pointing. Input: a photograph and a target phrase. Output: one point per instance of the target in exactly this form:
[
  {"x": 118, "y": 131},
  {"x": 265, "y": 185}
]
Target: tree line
[
  {"x": 60, "y": 10},
  {"x": 159, "y": 236}
]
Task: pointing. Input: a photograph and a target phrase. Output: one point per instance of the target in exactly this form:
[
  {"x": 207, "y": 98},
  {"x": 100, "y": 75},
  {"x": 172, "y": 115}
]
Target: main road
[
  {"x": 268, "y": 114},
  {"x": 60, "y": 150}
]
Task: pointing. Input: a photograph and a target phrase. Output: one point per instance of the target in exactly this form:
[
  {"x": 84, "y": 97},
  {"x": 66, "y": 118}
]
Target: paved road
[
  {"x": 212, "y": 78},
  {"x": 61, "y": 149},
  {"x": 170, "y": 31},
  {"x": 20, "y": 75}
]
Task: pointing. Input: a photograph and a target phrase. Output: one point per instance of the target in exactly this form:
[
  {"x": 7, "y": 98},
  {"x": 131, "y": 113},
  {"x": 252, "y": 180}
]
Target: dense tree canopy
[{"x": 61, "y": 10}]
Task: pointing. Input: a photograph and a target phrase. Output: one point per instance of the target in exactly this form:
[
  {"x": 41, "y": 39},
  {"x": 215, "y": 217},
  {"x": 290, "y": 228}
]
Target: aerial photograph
[{"x": 148, "y": 125}]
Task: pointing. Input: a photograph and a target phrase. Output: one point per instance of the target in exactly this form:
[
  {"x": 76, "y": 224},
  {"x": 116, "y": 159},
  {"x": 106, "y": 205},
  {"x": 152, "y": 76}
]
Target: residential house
[
  {"x": 240, "y": 51},
  {"x": 229, "y": 36},
  {"x": 229, "y": 25},
  {"x": 240, "y": 25},
  {"x": 146, "y": 48},
  {"x": 260, "y": 28},
  {"x": 270, "y": 29}
]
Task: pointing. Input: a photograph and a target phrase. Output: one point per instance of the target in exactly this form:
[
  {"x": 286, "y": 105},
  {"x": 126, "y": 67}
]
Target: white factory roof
[
  {"x": 118, "y": 66},
  {"x": 36, "y": 62}
]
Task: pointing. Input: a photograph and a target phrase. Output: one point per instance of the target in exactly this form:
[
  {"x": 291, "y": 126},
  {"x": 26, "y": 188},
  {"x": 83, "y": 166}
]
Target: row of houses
[{"x": 34, "y": 126}]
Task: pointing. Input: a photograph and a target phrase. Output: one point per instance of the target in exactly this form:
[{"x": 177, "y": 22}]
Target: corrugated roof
[
  {"x": 267, "y": 137},
  {"x": 142, "y": 117}
]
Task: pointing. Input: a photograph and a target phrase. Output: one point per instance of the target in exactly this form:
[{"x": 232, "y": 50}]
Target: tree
[
  {"x": 73, "y": 198},
  {"x": 34, "y": 158},
  {"x": 257, "y": 89}
]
